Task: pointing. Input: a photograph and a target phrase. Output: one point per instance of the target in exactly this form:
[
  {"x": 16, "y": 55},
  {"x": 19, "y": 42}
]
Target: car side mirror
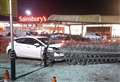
[{"x": 37, "y": 44}]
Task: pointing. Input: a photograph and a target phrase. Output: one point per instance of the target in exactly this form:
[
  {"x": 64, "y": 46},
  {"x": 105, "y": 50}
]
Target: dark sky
[{"x": 69, "y": 7}]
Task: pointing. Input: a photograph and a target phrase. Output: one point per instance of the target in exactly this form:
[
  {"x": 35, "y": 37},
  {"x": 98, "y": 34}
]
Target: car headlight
[
  {"x": 50, "y": 50},
  {"x": 58, "y": 54}
]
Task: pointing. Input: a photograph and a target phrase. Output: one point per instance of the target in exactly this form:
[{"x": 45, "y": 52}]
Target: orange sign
[{"x": 32, "y": 19}]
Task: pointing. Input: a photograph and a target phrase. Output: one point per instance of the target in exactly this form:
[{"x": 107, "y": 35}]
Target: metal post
[
  {"x": 69, "y": 31},
  {"x": 13, "y": 71},
  {"x": 82, "y": 29}
]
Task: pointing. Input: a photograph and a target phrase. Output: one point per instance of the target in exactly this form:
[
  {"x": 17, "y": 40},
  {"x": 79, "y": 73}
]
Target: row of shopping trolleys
[{"x": 90, "y": 58}]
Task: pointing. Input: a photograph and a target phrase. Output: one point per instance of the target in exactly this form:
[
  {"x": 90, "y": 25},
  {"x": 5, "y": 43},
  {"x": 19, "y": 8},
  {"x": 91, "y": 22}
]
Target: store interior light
[
  {"x": 29, "y": 25},
  {"x": 7, "y": 24}
]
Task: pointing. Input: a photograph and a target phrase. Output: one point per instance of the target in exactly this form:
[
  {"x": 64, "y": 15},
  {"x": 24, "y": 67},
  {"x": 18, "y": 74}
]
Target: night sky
[{"x": 69, "y": 7}]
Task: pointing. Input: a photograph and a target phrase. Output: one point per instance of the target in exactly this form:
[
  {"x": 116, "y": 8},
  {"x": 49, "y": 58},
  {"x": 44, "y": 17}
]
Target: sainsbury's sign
[{"x": 32, "y": 19}]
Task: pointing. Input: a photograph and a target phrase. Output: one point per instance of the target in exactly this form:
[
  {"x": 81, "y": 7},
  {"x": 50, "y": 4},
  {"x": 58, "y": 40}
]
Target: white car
[
  {"x": 33, "y": 47},
  {"x": 93, "y": 36}
]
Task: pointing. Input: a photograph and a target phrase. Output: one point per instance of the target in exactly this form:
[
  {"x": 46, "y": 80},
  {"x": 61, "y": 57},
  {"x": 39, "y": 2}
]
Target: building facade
[{"x": 14, "y": 8}]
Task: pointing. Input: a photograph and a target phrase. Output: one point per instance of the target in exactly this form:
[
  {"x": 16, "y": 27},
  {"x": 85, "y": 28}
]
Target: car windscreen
[{"x": 44, "y": 40}]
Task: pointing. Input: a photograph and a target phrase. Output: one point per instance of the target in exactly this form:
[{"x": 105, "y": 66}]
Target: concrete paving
[
  {"x": 32, "y": 71},
  {"x": 65, "y": 73}
]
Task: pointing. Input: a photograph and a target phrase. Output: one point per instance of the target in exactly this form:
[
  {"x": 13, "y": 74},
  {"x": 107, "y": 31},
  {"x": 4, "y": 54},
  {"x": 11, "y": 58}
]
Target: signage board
[{"x": 32, "y": 19}]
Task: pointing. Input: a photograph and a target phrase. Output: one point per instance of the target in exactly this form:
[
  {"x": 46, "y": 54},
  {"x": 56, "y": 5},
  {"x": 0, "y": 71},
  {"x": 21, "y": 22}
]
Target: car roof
[{"x": 31, "y": 37}]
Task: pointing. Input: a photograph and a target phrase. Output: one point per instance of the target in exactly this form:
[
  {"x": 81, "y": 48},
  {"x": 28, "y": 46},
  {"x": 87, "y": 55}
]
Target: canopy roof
[{"x": 85, "y": 18}]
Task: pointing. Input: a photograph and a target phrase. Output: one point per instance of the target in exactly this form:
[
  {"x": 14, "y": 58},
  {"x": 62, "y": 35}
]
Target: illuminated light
[
  {"x": 32, "y": 19},
  {"x": 17, "y": 25},
  {"x": 7, "y": 24},
  {"x": 116, "y": 30},
  {"x": 29, "y": 25},
  {"x": 2, "y": 27},
  {"x": 48, "y": 25},
  {"x": 114, "y": 40},
  {"x": 28, "y": 12},
  {"x": 109, "y": 40},
  {"x": 62, "y": 41}
]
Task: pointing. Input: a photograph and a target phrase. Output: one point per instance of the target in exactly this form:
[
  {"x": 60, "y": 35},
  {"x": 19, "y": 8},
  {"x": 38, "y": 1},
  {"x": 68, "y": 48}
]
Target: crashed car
[{"x": 33, "y": 47}]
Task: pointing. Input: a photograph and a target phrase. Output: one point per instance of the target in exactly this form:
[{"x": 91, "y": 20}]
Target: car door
[
  {"x": 32, "y": 51},
  {"x": 19, "y": 47}
]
